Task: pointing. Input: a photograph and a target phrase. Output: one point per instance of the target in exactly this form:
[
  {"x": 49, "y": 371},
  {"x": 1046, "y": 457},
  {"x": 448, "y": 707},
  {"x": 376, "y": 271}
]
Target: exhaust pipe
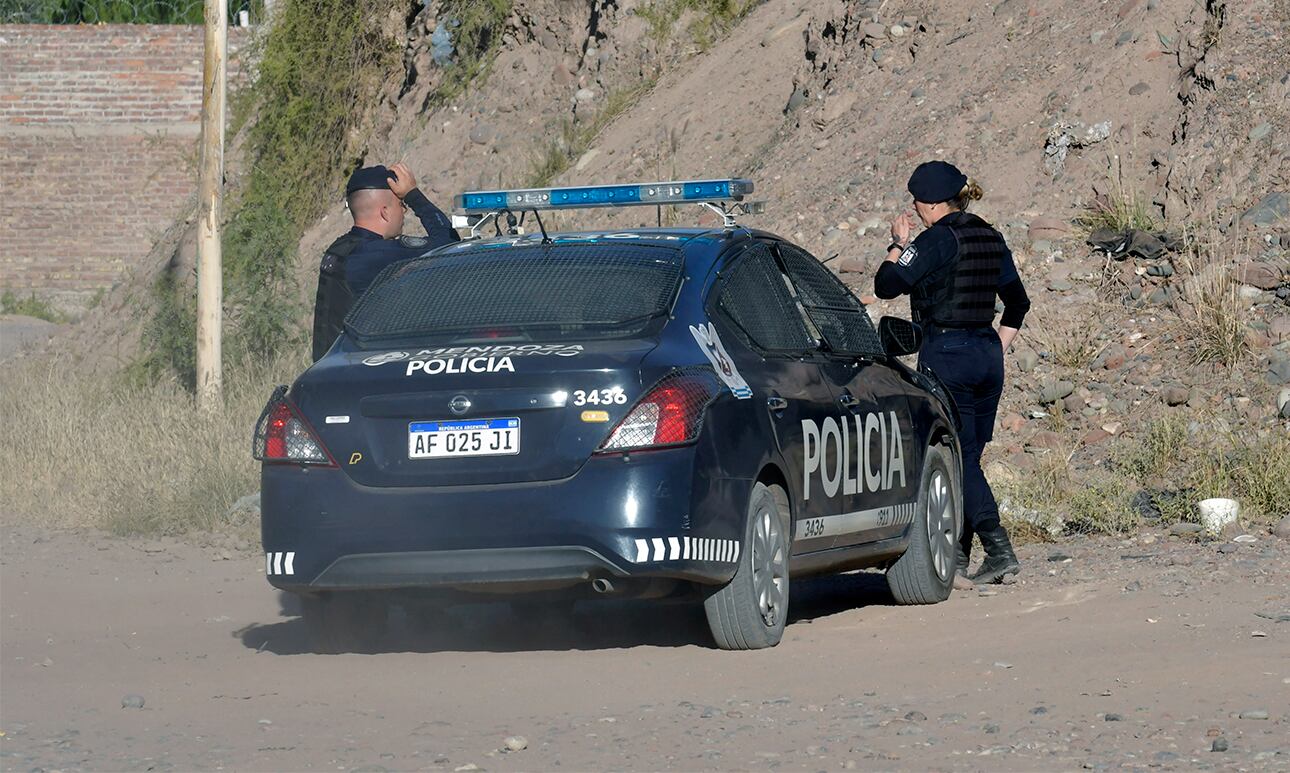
[{"x": 602, "y": 585}]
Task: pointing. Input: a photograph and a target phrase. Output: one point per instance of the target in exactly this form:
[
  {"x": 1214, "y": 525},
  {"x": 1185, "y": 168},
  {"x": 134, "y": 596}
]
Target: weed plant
[
  {"x": 1211, "y": 312},
  {"x": 710, "y": 19},
  {"x": 1122, "y": 209},
  {"x": 573, "y": 138},
  {"x": 127, "y": 457},
  {"x": 31, "y": 306}
]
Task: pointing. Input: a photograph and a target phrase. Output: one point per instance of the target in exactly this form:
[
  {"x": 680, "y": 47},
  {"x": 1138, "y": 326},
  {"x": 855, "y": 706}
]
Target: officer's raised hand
[
  {"x": 902, "y": 227},
  {"x": 402, "y": 181}
]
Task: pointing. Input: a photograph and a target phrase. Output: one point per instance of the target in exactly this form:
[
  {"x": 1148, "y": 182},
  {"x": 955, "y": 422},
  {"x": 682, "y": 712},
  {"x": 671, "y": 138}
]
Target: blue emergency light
[{"x": 644, "y": 194}]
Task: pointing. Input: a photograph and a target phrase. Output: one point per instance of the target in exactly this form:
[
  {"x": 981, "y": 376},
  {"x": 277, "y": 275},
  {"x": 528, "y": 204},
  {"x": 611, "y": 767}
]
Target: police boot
[
  {"x": 963, "y": 552},
  {"x": 999, "y": 561}
]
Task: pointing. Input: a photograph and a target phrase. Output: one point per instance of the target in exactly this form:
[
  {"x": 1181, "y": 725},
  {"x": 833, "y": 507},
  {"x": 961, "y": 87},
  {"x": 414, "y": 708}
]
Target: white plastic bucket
[{"x": 1217, "y": 513}]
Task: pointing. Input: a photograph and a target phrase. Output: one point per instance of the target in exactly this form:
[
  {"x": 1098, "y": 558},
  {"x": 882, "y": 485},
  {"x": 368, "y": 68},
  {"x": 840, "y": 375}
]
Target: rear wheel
[
  {"x": 749, "y": 612},
  {"x": 345, "y": 622},
  {"x": 925, "y": 573}
]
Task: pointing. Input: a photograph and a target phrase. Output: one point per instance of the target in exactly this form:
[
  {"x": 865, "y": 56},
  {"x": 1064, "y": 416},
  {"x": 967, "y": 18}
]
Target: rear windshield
[{"x": 521, "y": 293}]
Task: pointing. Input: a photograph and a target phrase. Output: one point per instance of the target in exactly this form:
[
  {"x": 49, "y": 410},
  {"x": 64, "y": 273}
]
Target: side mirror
[{"x": 899, "y": 336}]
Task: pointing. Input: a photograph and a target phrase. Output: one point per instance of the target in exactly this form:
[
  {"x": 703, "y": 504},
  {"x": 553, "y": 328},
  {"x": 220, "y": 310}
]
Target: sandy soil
[{"x": 1135, "y": 654}]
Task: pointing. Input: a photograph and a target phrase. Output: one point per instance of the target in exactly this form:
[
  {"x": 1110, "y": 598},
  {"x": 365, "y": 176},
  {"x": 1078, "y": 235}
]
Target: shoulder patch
[
  {"x": 415, "y": 242},
  {"x": 908, "y": 255}
]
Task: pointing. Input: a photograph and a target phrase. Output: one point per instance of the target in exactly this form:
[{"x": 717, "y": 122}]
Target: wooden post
[{"x": 210, "y": 279}]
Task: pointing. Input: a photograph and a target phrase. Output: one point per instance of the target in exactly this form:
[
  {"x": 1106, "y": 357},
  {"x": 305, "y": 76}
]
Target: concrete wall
[{"x": 98, "y": 143}]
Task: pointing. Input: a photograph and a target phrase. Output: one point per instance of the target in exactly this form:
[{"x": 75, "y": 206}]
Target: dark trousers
[{"x": 970, "y": 363}]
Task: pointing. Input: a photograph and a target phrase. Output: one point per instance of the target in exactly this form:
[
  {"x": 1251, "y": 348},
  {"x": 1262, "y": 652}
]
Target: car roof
[{"x": 691, "y": 239}]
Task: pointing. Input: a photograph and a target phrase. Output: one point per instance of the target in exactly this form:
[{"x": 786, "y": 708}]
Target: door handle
[
  {"x": 776, "y": 403},
  {"x": 848, "y": 400}
]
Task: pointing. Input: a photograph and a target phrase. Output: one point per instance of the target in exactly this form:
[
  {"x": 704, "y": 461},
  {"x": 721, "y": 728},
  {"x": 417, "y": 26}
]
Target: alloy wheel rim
[
  {"x": 941, "y": 524},
  {"x": 770, "y": 566}
]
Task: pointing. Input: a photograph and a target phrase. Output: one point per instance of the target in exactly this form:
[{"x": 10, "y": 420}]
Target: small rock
[
  {"x": 1278, "y": 371},
  {"x": 1254, "y": 714},
  {"x": 1139, "y": 88},
  {"x": 1175, "y": 395},
  {"x": 1053, "y": 391},
  {"x": 1260, "y": 131},
  {"x": 1185, "y": 529},
  {"x": 1269, "y": 210},
  {"x": 1264, "y": 276},
  {"x": 1282, "y": 529},
  {"x": 516, "y": 743},
  {"x": 1048, "y": 228},
  {"x": 1219, "y": 745},
  {"x": 1056, "y": 558},
  {"x": 1027, "y": 359},
  {"x": 1060, "y": 285},
  {"x": 1001, "y": 664},
  {"x": 469, "y": 766},
  {"x": 132, "y": 701},
  {"x": 1013, "y": 422},
  {"x": 481, "y": 134},
  {"x": 1245, "y": 539},
  {"x": 1039, "y": 710},
  {"x": 991, "y": 729},
  {"x": 916, "y": 716},
  {"x": 584, "y": 95},
  {"x": 1111, "y": 358},
  {"x": 1112, "y": 717}
]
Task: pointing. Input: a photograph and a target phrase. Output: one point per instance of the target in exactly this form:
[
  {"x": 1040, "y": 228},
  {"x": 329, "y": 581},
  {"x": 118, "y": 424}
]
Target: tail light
[
  {"x": 283, "y": 435},
  {"x": 670, "y": 414}
]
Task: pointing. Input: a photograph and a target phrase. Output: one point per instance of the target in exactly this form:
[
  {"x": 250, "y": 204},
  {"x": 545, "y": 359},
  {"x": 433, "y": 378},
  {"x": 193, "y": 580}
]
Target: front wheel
[
  {"x": 749, "y": 612},
  {"x": 925, "y": 573}
]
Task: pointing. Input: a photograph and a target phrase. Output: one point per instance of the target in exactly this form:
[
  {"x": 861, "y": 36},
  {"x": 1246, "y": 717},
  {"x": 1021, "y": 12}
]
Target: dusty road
[{"x": 1131, "y": 654}]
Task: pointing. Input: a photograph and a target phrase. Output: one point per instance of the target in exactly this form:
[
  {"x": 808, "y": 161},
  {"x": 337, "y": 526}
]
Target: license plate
[{"x": 467, "y": 437}]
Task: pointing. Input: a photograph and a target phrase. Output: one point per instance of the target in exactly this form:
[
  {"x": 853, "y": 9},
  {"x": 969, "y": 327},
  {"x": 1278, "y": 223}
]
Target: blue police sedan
[{"x": 652, "y": 413}]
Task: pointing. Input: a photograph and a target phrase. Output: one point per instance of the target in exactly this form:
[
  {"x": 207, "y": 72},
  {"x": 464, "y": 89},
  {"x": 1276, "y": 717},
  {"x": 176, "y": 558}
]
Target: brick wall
[{"x": 98, "y": 148}]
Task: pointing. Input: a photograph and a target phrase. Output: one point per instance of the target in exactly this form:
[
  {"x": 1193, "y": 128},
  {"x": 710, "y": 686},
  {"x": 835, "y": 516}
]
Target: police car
[{"x": 697, "y": 414}]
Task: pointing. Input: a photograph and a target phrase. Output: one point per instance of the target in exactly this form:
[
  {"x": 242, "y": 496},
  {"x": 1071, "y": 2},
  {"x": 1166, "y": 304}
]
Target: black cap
[
  {"x": 369, "y": 178},
  {"x": 936, "y": 181}
]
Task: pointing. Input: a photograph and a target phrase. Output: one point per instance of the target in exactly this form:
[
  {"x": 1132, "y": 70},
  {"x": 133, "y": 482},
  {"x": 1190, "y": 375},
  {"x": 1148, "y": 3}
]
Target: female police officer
[{"x": 952, "y": 272}]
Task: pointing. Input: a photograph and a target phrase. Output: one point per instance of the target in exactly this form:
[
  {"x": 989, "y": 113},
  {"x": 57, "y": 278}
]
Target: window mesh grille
[
  {"x": 839, "y": 315},
  {"x": 590, "y": 290},
  {"x": 758, "y": 301}
]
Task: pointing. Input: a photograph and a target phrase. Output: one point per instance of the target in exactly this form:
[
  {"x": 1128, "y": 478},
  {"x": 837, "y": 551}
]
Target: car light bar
[{"x": 586, "y": 196}]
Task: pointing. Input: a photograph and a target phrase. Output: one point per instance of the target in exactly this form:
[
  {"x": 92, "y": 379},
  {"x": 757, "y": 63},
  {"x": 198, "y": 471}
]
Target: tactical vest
[
  {"x": 962, "y": 293},
  {"x": 334, "y": 296}
]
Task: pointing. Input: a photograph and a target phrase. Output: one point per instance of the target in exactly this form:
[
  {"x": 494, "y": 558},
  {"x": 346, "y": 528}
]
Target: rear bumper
[
  {"x": 503, "y": 567},
  {"x": 642, "y": 517}
]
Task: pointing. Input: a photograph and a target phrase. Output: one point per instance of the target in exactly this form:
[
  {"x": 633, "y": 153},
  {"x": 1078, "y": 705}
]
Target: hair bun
[{"x": 972, "y": 191}]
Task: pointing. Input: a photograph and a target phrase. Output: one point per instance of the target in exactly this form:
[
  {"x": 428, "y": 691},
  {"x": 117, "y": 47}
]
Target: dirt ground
[{"x": 1150, "y": 652}]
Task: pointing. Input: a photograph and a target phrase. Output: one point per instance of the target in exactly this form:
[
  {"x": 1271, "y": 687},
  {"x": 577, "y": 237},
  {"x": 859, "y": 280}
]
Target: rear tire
[
  {"x": 750, "y": 611},
  {"x": 925, "y": 573},
  {"x": 345, "y": 622}
]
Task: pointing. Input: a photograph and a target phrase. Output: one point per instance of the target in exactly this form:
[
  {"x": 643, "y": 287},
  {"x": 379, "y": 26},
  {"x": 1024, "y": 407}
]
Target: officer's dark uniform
[
  {"x": 351, "y": 262},
  {"x": 953, "y": 272}
]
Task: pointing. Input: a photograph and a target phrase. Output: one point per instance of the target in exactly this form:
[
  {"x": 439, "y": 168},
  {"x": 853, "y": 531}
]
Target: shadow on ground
[{"x": 588, "y": 625}]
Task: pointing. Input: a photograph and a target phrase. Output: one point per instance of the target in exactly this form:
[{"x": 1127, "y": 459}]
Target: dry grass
[
  {"x": 1122, "y": 209},
  {"x": 79, "y": 451},
  {"x": 1211, "y": 311}
]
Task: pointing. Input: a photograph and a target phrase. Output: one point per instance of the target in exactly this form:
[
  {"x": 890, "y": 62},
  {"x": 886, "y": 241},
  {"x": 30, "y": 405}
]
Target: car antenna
[{"x": 545, "y": 239}]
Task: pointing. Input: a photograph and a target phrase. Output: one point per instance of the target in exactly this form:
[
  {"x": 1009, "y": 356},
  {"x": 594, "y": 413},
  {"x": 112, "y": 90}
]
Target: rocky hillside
[{"x": 1169, "y": 117}]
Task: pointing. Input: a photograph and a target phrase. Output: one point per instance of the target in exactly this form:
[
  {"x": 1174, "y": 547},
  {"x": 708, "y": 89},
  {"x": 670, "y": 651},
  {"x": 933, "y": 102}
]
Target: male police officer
[{"x": 377, "y": 199}]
